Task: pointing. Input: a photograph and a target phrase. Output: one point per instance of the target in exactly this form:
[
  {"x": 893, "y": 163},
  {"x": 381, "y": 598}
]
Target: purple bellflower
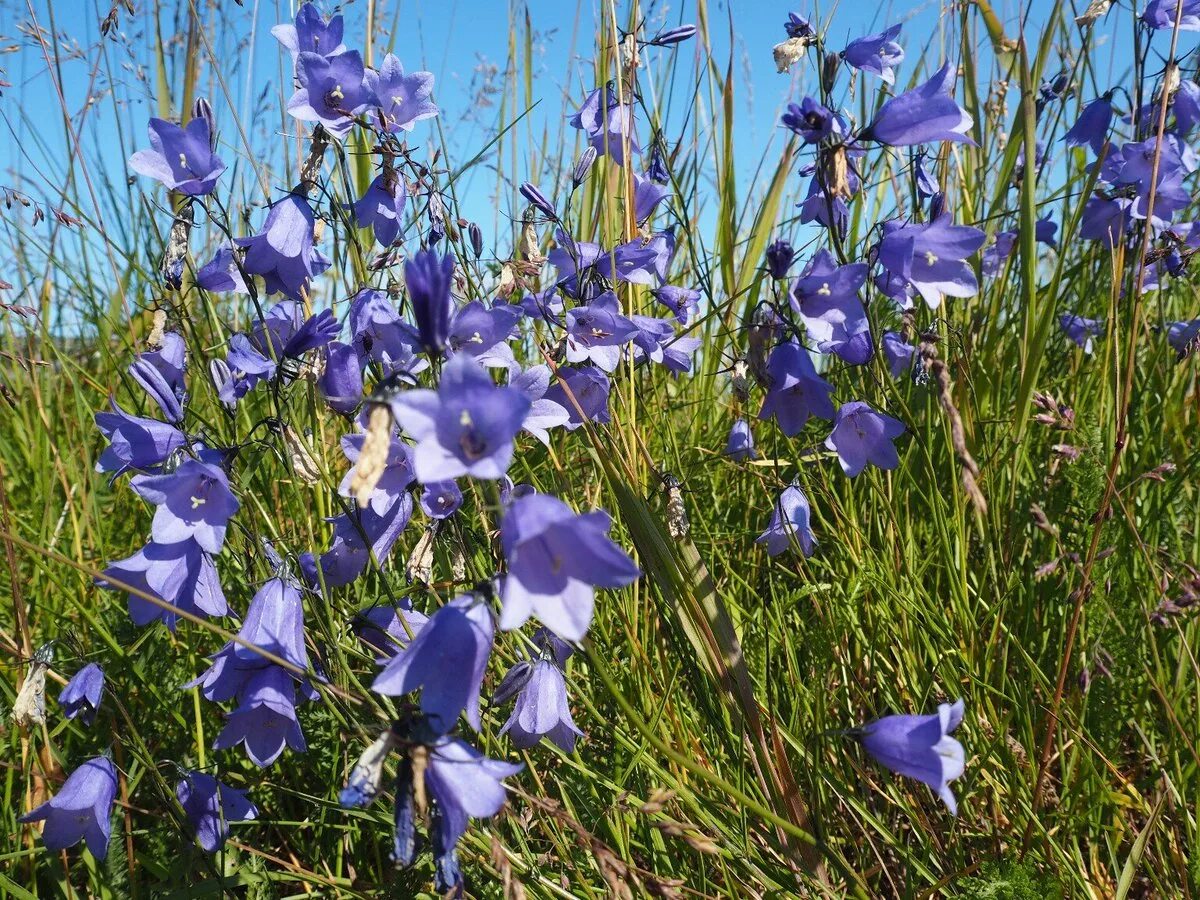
[
  {"x": 283, "y": 252},
  {"x": 544, "y": 413},
  {"x": 341, "y": 381},
  {"x": 393, "y": 481},
  {"x": 861, "y": 435},
  {"x": 796, "y": 391},
  {"x": 920, "y": 747},
  {"x": 877, "y": 53},
  {"x": 1160, "y": 14},
  {"x": 790, "y": 524},
  {"x": 779, "y": 258},
  {"x": 826, "y": 298},
  {"x": 466, "y": 427},
  {"x": 898, "y": 353},
  {"x": 647, "y": 194},
  {"x": 81, "y": 810},
  {"x": 583, "y": 393},
  {"x": 1091, "y": 128},
  {"x": 387, "y": 629},
  {"x": 404, "y": 100},
  {"x": 221, "y": 273},
  {"x": 740, "y": 445},
  {"x": 684, "y": 303},
  {"x": 81, "y": 696},
  {"x": 210, "y": 806},
  {"x": 356, "y": 536},
  {"x": 311, "y": 33},
  {"x": 1081, "y": 330},
  {"x": 596, "y": 332},
  {"x": 193, "y": 502},
  {"x": 135, "y": 442},
  {"x": 483, "y": 332},
  {"x": 333, "y": 89},
  {"x": 428, "y": 278},
  {"x": 446, "y": 660},
  {"x": 381, "y": 208},
  {"x": 556, "y": 558},
  {"x": 379, "y": 335},
  {"x": 812, "y": 121},
  {"x": 182, "y": 158},
  {"x": 441, "y": 499},
  {"x": 931, "y": 257},
  {"x": 607, "y": 123},
  {"x": 265, "y": 719},
  {"x": 541, "y": 709},
  {"x": 181, "y": 575},
  {"x": 926, "y": 113}
]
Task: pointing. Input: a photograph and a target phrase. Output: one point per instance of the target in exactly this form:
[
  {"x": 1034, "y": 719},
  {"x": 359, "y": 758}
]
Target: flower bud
[
  {"x": 673, "y": 36},
  {"x": 584, "y": 166},
  {"x": 779, "y": 258}
]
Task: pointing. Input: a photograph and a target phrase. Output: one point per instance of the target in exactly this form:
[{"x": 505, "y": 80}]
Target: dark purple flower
[
  {"x": 181, "y": 158},
  {"x": 790, "y": 524},
  {"x": 541, "y": 709},
  {"x": 583, "y": 393},
  {"x": 403, "y": 100},
  {"x": 1091, "y": 128},
  {"x": 797, "y": 26},
  {"x": 81, "y": 810},
  {"x": 993, "y": 258},
  {"x": 466, "y": 427},
  {"x": 210, "y": 806},
  {"x": 446, "y": 660},
  {"x": 387, "y": 629},
  {"x": 826, "y": 298},
  {"x": 341, "y": 382},
  {"x": 1134, "y": 167},
  {"x": 483, "y": 333},
  {"x": 779, "y": 258},
  {"x": 381, "y": 208},
  {"x": 740, "y": 445},
  {"x": 283, "y": 252},
  {"x": 812, "y": 121},
  {"x": 647, "y": 194},
  {"x": 539, "y": 200},
  {"x": 428, "y": 278},
  {"x": 182, "y": 575},
  {"x": 221, "y": 273},
  {"x": 81, "y": 696},
  {"x": 556, "y": 558},
  {"x": 861, "y": 435},
  {"x": 193, "y": 502},
  {"x": 920, "y": 747},
  {"x": 931, "y": 257},
  {"x": 878, "y": 53},
  {"x": 441, "y": 499},
  {"x": 1105, "y": 219},
  {"x": 1185, "y": 104},
  {"x": 898, "y": 353},
  {"x": 926, "y": 113},
  {"x": 161, "y": 374},
  {"x": 1045, "y": 231},
  {"x": 608, "y": 124},
  {"x": 135, "y": 442},
  {"x": 356, "y": 536},
  {"x": 640, "y": 261},
  {"x": 333, "y": 89},
  {"x": 1081, "y": 330},
  {"x": 673, "y": 36},
  {"x": 684, "y": 303},
  {"x": 596, "y": 331},
  {"x": 311, "y": 33},
  {"x": 796, "y": 390},
  {"x": 265, "y": 719}
]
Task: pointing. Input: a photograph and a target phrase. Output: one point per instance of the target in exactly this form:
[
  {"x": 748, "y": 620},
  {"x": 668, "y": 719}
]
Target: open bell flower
[
  {"x": 861, "y": 435},
  {"x": 333, "y": 89},
  {"x": 81, "y": 810},
  {"x": 542, "y": 709},
  {"x": 790, "y": 524},
  {"x": 876, "y": 53},
  {"x": 920, "y": 747},
  {"x": 181, "y": 157},
  {"x": 81, "y": 696},
  {"x": 210, "y": 805},
  {"x": 194, "y": 501},
  {"x": 928, "y": 112},
  {"x": 311, "y": 33},
  {"x": 403, "y": 100}
]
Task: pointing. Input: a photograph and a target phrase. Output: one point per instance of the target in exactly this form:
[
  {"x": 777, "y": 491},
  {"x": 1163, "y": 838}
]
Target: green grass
[{"x": 706, "y": 771}]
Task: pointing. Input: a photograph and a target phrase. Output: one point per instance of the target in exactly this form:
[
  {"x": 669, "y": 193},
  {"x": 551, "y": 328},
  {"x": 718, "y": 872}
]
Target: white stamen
[
  {"x": 930, "y": 258},
  {"x": 197, "y": 502},
  {"x": 825, "y": 291}
]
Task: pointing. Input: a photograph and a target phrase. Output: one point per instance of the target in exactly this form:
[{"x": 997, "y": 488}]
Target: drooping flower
[
  {"x": 657, "y": 341},
  {"x": 556, "y": 558},
  {"x": 182, "y": 158},
  {"x": 790, "y": 524},
  {"x": 779, "y": 258},
  {"x": 210, "y": 806},
  {"x": 647, "y": 194},
  {"x": 1182, "y": 336},
  {"x": 333, "y": 89},
  {"x": 862, "y": 435},
  {"x": 311, "y": 33},
  {"x": 81, "y": 810},
  {"x": 181, "y": 575},
  {"x": 135, "y": 442},
  {"x": 796, "y": 391},
  {"x": 684, "y": 303},
  {"x": 395, "y": 472},
  {"x": 640, "y": 261},
  {"x": 357, "y": 536},
  {"x": 1081, "y": 330},
  {"x": 483, "y": 333},
  {"x": 428, "y": 278},
  {"x": 920, "y": 747},
  {"x": 466, "y": 427},
  {"x": 446, "y": 660},
  {"x": 583, "y": 393},
  {"x": 740, "y": 445},
  {"x": 607, "y": 123},
  {"x": 380, "y": 335},
  {"x": 341, "y": 381},
  {"x": 403, "y": 100},
  {"x": 265, "y": 720},
  {"x": 1162, "y": 13},
  {"x": 931, "y": 257},
  {"x": 81, "y": 696},
  {"x": 1139, "y": 164},
  {"x": 898, "y": 353},
  {"x": 283, "y": 252},
  {"x": 826, "y": 298},
  {"x": 878, "y": 53},
  {"x": 387, "y": 629},
  {"x": 160, "y": 372},
  {"x": 1091, "y": 128},
  {"x": 928, "y": 112},
  {"x": 541, "y": 709},
  {"x": 381, "y": 208},
  {"x": 221, "y": 273}
]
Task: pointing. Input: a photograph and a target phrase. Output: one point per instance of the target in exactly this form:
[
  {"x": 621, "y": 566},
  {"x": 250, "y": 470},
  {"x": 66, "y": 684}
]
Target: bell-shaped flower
[
  {"x": 446, "y": 661},
  {"x": 403, "y": 100},
  {"x": 193, "y": 502},
  {"x": 556, "y": 558},
  {"x": 877, "y": 53},
  {"x": 395, "y": 476},
  {"x": 283, "y": 252},
  {"x": 333, "y": 89},
  {"x": 428, "y": 278},
  {"x": 311, "y": 33},
  {"x": 466, "y": 427},
  {"x": 81, "y": 810},
  {"x": 1160, "y": 14},
  {"x": 221, "y": 273},
  {"x": 381, "y": 208},
  {"x": 1081, "y": 330},
  {"x": 135, "y": 442},
  {"x": 862, "y": 435},
  {"x": 826, "y": 298},
  {"x": 596, "y": 332},
  {"x": 607, "y": 123},
  {"x": 931, "y": 257},
  {"x": 265, "y": 719},
  {"x": 544, "y": 413},
  {"x": 647, "y": 194},
  {"x": 740, "y": 445},
  {"x": 541, "y": 709},
  {"x": 341, "y": 381},
  {"x": 812, "y": 121},
  {"x": 441, "y": 499},
  {"x": 928, "y": 112},
  {"x": 684, "y": 303},
  {"x": 790, "y": 524},
  {"x": 1091, "y": 128},
  {"x": 182, "y": 158},
  {"x": 387, "y": 629},
  {"x": 898, "y": 353},
  {"x": 210, "y": 806},
  {"x": 379, "y": 335},
  {"x": 483, "y": 333},
  {"x": 181, "y": 575},
  {"x": 796, "y": 391},
  {"x": 81, "y": 696},
  {"x": 357, "y": 535},
  {"x": 920, "y": 747},
  {"x": 583, "y": 393}
]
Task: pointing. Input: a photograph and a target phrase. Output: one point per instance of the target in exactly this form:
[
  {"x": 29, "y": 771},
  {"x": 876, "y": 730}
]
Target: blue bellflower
[
  {"x": 920, "y": 747},
  {"x": 210, "y": 806},
  {"x": 81, "y": 810},
  {"x": 402, "y": 100},
  {"x": 790, "y": 524},
  {"x": 927, "y": 113},
  {"x": 182, "y": 158},
  {"x": 862, "y": 435},
  {"x": 81, "y": 696}
]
